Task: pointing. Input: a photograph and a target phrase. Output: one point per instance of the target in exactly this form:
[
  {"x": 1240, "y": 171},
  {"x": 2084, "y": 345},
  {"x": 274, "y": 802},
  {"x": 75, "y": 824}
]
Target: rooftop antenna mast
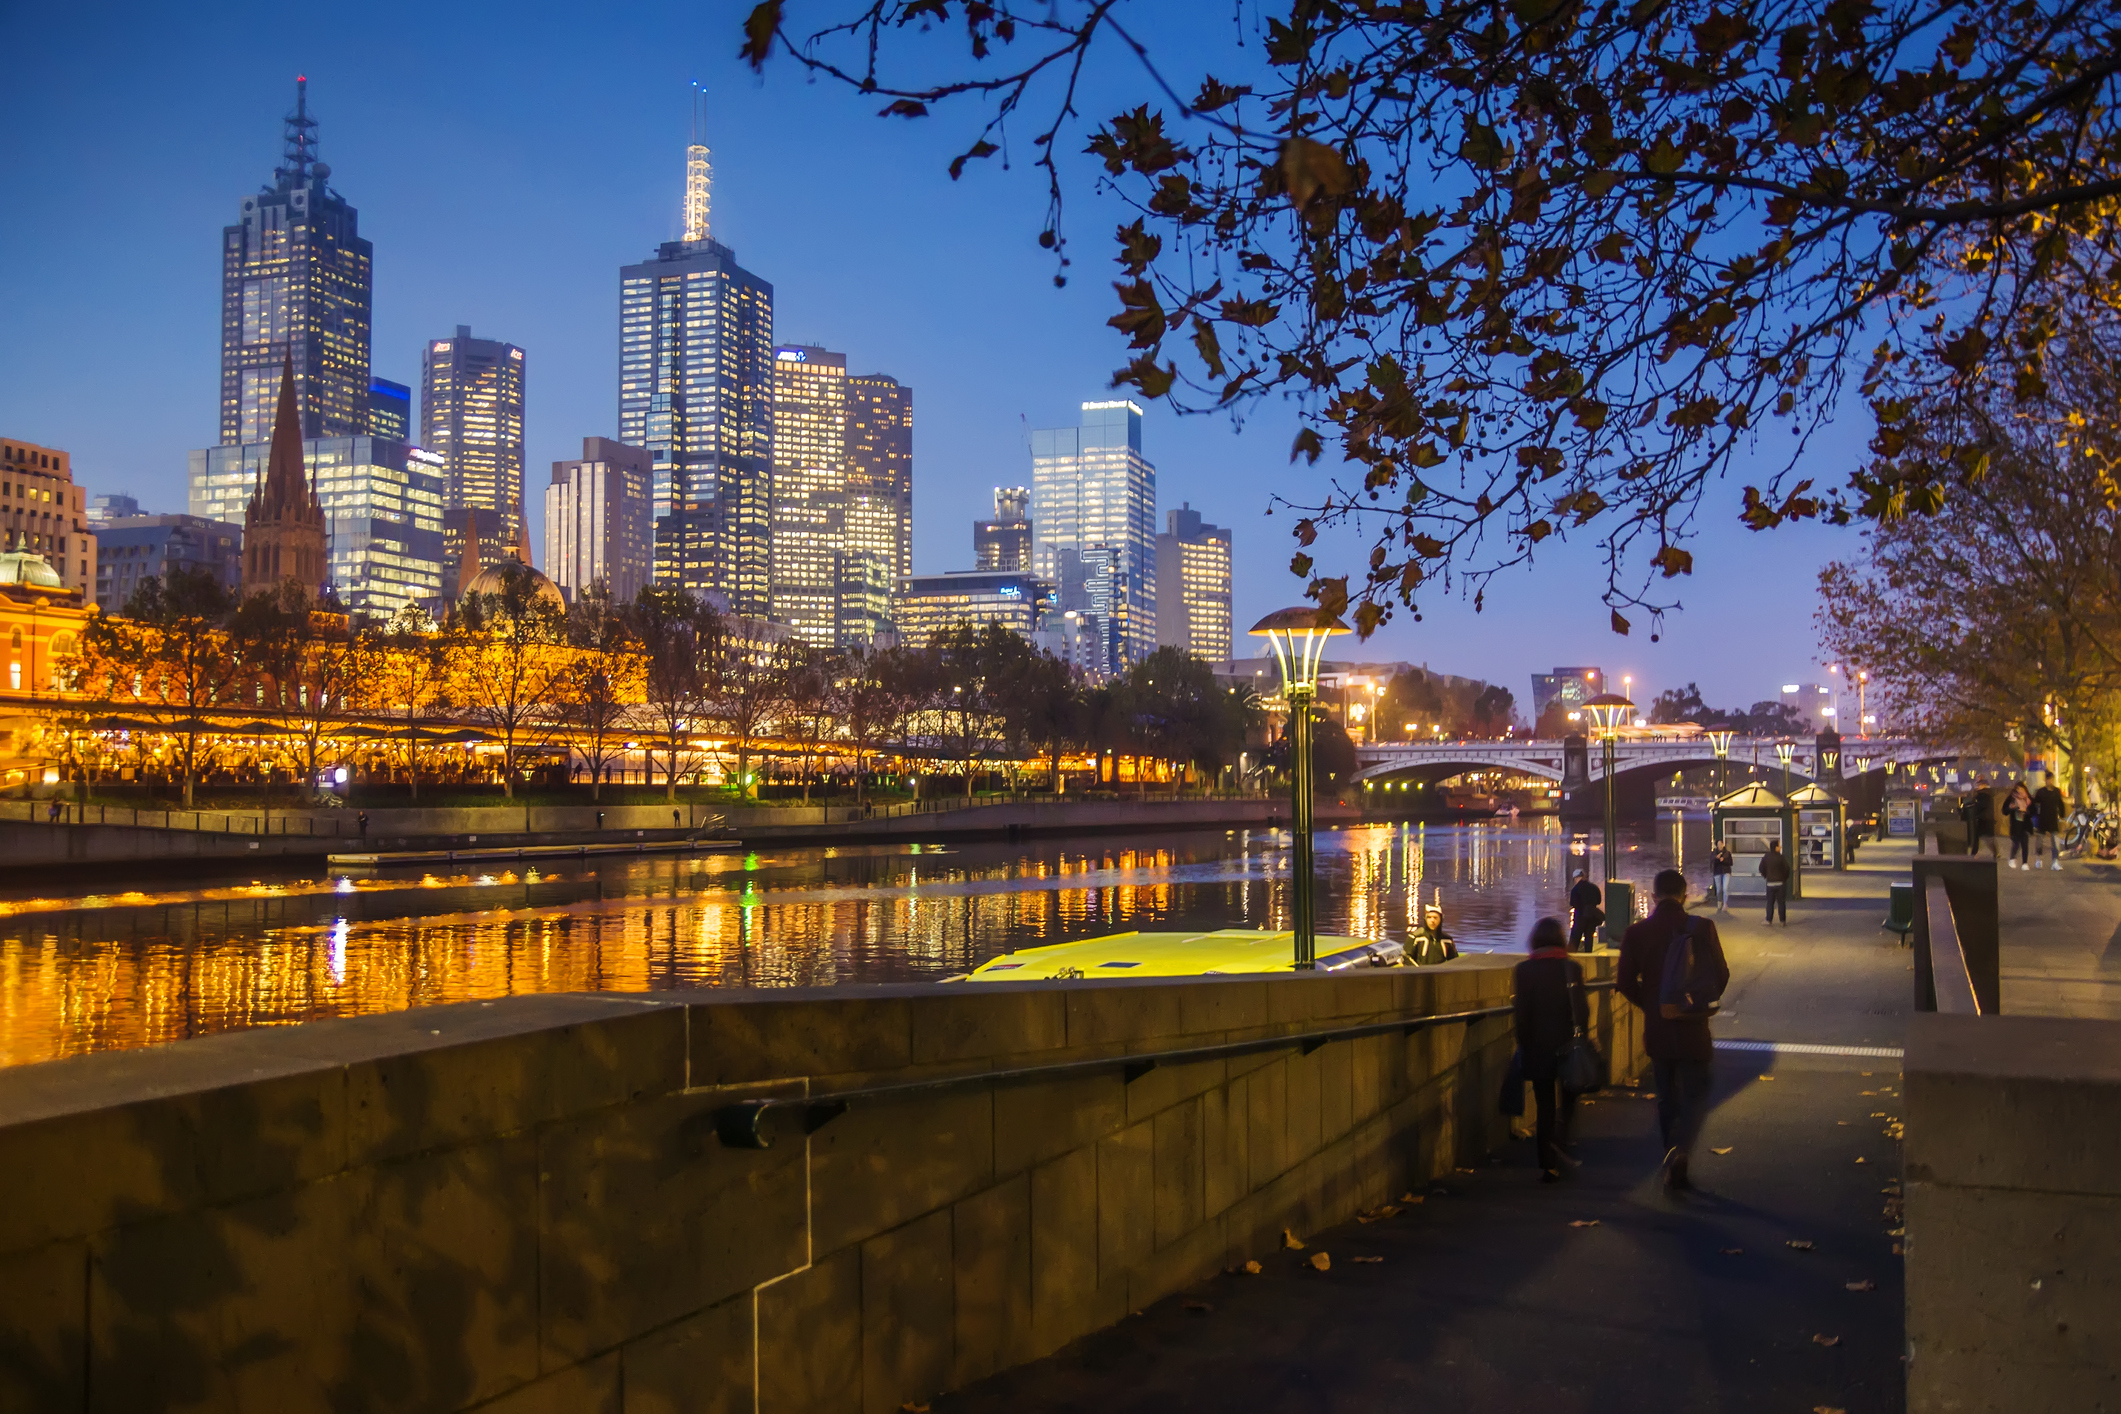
[
  {"x": 300, "y": 138},
  {"x": 699, "y": 174}
]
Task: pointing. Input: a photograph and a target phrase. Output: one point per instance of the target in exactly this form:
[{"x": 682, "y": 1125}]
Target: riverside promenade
[{"x": 1497, "y": 1293}]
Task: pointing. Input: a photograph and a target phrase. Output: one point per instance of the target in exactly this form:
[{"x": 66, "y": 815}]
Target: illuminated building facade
[
  {"x": 1193, "y": 585},
  {"x": 1570, "y": 686},
  {"x": 132, "y": 549},
  {"x": 1093, "y": 517},
  {"x": 383, "y": 505},
  {"x": 937, "y": 603},
  {"x": 295, "y": 285},
  {"x": 599, "y": 521},
  {"x": 809, "y": 489},
  {"x": 876, "y": 554},
  {"x": 389, "y": 410},
  {"x": 43, "y": 513},
  {"x": 696, "y": 390},
  {"x": 1004, "y": 543},
  {"x": 471, "y": 416}
]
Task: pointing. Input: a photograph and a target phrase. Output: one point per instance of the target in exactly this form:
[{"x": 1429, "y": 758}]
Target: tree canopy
[{"x": 1552, "y": 267}]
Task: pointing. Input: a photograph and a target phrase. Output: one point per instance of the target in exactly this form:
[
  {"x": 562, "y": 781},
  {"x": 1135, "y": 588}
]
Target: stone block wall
[
  {"x": 2013, "y": 1209},
  {"x": 523, "y": 1206}
]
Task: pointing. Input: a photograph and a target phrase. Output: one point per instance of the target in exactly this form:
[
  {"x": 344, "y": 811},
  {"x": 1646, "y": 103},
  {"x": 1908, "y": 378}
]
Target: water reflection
[{"x": 102, "y": 971}]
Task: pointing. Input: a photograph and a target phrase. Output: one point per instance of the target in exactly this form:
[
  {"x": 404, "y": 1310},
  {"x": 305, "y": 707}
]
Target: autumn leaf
[
  {"x": 1720, "y": 1151},
  {"x": 1799, "y": 1244},
  {"x": 903, "y": 108},
  {"x": 1482, "y": 147},
  {"x": 1620, "y": 625},
  {"x": 1321, "y": 1261},
  {"x": 1306, "y": 445},
  {"x": 759, "y": 28},
  {"x": 1312, "y": 172},
  {"x": 977, "y": 150},
  {"x": 1584, "y": 1222},
  {"x": 1252, "y": 1269},
  {"x": 1827, "y": 1340},
  {"x": 1290, "y": 1241},
  {"x": 1865, "y": 1285},
  {"x": 1365, "y": 1259}
]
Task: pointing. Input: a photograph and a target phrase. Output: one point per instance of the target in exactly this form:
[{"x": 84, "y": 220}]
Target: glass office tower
[
  {"x": 1193, "y": 585},
  {"x": 389, "y": 410},
  {"x": 877, "y": 546},
  {"x": 295, "y": 280},
  {"x": 382, "y": 520},
  {"x": 471, "y": 416},
  {"x": 696, "y": 390},
  {"x": 809, "y": 489},
  {"x": 1093, "y": 517}
]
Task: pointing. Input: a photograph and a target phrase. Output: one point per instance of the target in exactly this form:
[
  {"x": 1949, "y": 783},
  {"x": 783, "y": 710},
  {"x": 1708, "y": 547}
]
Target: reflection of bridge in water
[{"x": 1573, "y": 762}]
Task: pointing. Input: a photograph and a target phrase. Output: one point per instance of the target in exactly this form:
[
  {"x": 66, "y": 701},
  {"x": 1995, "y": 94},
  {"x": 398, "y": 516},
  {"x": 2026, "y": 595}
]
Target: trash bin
[
  {"x": 1900, "y": 910},
  {"x": 1619, "y": 909}
]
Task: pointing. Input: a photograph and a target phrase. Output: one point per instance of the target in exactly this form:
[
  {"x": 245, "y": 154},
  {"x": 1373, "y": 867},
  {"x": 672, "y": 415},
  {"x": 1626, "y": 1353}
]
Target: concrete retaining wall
[
  {"x": 522, "y": 1205},
  {"x": 2013, "y": 1208}
]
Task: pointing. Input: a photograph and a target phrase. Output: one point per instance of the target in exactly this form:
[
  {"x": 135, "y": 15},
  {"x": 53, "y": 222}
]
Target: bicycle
[{"x": 2100, "y": 830}]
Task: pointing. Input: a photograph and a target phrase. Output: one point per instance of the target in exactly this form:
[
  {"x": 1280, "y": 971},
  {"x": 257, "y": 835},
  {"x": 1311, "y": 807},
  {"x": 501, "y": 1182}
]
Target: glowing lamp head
[
  {"x": 1784, "y": 750},
  {"x": 1609, "y": 710},
  {"x": 1720, "y": 741},
  {"x": 1299, "y": 639}
]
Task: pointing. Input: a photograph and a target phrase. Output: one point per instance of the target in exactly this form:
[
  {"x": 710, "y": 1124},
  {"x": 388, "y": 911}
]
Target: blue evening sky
[{"x": 507, "y": 159}]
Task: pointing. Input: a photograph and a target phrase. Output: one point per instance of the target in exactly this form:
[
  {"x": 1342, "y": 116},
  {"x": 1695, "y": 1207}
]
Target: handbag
[
  {"x": 1511, "y": 1101},
  {"x": 1580, "y": 1066}
]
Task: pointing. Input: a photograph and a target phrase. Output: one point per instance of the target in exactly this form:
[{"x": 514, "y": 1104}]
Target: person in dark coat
[
  {"x": 1981, "y": 818},
  {"x": 1431, "y": 943},
  {"x": 2050, "y": 806},
  {"x": 1550, "y": 1008},
  {"x": 1586, "y": 912},
  {"x": 1721, "y": 862},
  {"x": 1681, "y": 1051},
  {"x": 1775, "y": 872}
]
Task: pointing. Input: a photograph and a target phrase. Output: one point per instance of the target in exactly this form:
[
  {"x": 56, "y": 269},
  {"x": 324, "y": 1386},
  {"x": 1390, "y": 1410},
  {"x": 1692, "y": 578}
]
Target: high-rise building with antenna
[
  {"x": 295, "y": 285},
  {"x": 696, "y": 390}
]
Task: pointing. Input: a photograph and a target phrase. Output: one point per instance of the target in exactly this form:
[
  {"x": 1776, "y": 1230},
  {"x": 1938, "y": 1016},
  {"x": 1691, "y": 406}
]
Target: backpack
[{"x": 1690, "y": 990}]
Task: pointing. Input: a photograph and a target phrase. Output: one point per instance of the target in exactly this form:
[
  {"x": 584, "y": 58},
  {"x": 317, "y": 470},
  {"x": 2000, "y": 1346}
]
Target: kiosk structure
[
  {"x": 1822, "y": 828},
  {"x": 1746, "y": 820}
]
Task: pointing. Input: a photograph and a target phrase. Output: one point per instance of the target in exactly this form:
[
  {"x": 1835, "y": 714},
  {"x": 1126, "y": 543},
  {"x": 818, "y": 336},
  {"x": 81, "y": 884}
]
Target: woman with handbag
[{"x": 1551, "y": 1013}]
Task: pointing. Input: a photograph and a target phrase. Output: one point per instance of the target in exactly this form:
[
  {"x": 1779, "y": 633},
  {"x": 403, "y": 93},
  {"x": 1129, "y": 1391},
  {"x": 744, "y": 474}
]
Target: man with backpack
[
  {"x": 1586, "y": 912},
  {"x": 1672, "y": 968}
]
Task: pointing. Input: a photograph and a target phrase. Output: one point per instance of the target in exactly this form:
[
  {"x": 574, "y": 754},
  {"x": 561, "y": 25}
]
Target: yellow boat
[{"x": 1226, "y": 951}]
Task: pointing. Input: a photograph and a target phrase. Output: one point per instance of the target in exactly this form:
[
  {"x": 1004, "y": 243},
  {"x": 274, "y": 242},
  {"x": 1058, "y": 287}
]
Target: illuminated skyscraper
[
  {"x": 1004, "y": 543},
  {"x": 809, "y": 489},
  {"x": 598, "y": 525},
  {"x": 876, "y": 547},
  {"x": 389, "y": 410},
  {"x": 696, "y": 390},
  {"x": 1193, "y": 585},
  {"x": 295, "y": 283},
  {"x": 1093, "y": 518},
  {"x": 471, "y": 416}
]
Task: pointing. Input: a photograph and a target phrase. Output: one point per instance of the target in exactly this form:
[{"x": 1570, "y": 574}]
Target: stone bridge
[{"x": 1574, "y": 762}]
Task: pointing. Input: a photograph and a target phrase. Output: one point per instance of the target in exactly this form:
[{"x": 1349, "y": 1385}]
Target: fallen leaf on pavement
[
  {"x": 1410, "y": 1197},
  {"x": 1880, "y": 1114},
  {"x": 911, "y": 1408},
  {"x": 1767, "y": 1077},
  {"x": 1725, "y": 1150},
  {"x": 1252, "y": 1269},
  {"x": 1865, "y": 1285},
  {"x": 1321, "y": 1261},
  {"x": 1366, "y": 1259},
  {"x": 1198, "y": 1306},
  {"x": 1861, "y": 1160},
  {"x": 1896, "y": 1250},
  {"x": 1584, "y": 1222},
  {"x": 1468, "y": 1170},
  {"x": 1291, "y": 1241},
  {"x": 1734, "y": 1251},
  {"x": 1828, "y": 1409},
  {"x": 1826, "y": 1340},
  {"x": 1801, "y": 1244},
  {"x": 1842, "y": 1123}
]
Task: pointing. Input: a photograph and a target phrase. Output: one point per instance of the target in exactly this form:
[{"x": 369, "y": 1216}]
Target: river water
[{"x": 91, "y": 971}]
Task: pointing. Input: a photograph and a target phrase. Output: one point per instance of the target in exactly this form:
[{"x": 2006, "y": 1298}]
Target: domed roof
[
  {"x": 21, "y": 567},
  {"x": 493, "y": 580}
]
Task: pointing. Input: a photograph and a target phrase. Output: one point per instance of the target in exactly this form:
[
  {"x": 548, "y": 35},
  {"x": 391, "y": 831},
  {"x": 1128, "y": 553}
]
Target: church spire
[
  {"x": 699, "y": 174},
  {"x": 283, "y": 527}
]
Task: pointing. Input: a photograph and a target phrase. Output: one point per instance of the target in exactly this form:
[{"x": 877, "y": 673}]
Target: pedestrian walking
[
  {"x": 2050, "y": 809},
  {"x": 1586, "y": 912},
  {"x": 362, "y": 820},
  {"x": 2018, "y": 810},
  {"x": 1550, "y": 1008},
  {"x": 1672, "y": 968},
  {"x": 1981, "y": 806},
  {"x": 51, "y": 813},
  {"x": 1431, "y": 944},
  {"x": 1775, "y": 873},
  {"x": 1721, "y": 861}
]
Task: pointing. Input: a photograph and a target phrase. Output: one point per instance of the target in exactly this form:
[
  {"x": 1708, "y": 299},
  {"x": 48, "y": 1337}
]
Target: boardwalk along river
[{"x": 89, "y": 971}]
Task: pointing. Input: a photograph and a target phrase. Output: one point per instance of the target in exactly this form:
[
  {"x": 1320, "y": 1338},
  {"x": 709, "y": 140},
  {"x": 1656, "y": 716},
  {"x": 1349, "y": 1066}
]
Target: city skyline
[{"x": 1025, "y": 357}]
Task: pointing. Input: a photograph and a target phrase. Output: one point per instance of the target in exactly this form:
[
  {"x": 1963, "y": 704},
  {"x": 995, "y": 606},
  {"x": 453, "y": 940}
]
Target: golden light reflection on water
[{"x": 112, "y": 970}]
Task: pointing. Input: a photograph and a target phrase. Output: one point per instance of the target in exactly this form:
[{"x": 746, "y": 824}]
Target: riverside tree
[
  {"x": 603, "y": 679},
  {"x": 514, "y": 660},
  {"x": 676, "y": 635},
  {"x": 1550, "y": 268}
]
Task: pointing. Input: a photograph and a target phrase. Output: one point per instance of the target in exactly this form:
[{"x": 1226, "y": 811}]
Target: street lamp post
[
  {"x": 1299, "y": 639},
  {"x": 1608, "y": 710},
  {"x": 1784, "y": 750},
  {"x": 1720, "y": 740}
]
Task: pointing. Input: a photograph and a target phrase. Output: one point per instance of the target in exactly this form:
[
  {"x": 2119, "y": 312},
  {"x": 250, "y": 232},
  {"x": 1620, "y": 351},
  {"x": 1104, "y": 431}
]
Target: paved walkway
[{"x": 1490, "y": 1297}]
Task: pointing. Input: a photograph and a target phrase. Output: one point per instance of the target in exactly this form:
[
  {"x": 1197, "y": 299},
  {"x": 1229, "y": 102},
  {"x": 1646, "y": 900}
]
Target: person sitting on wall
[{"x": 1430, "y": 944}]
